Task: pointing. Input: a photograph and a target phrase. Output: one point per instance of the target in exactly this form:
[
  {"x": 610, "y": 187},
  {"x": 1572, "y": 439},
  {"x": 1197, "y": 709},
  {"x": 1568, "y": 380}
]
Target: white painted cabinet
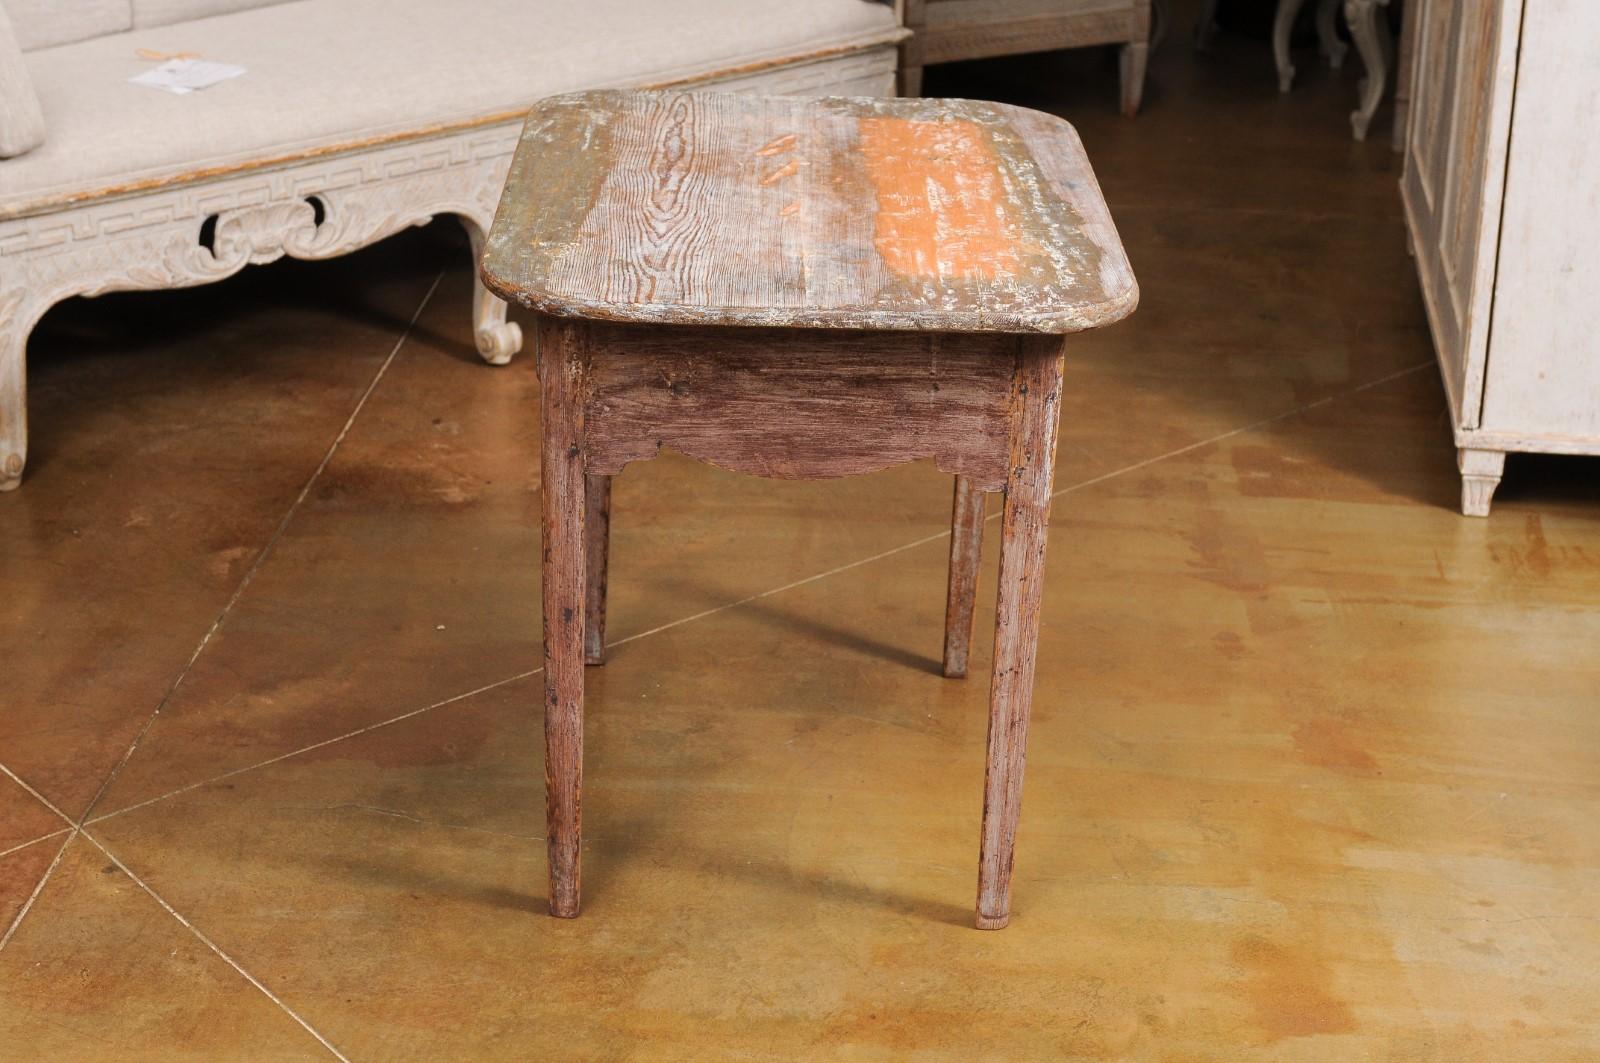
[{"x": 1502, "y": 199}]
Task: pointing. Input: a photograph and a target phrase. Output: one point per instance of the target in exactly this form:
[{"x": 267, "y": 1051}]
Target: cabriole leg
[
  {"x": 966, "y": 551},
  {"x": 561, "y": 371},
  {"x": 1282, "y": 26},
  {"x": 1016, "y": 634},
  {"x": 497, "y": 339},
  {"x": 1372, "y": 42},
  {"x": 1328, "y": 32},
  {"x": 1480, "y": 475},
  {"x": 597, "y": 535}
]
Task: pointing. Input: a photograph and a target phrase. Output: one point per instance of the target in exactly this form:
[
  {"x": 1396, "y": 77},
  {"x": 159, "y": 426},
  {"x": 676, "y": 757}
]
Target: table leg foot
[
  {"x": 561, "y": 370},
  {"x": 1016, "y": 635}
]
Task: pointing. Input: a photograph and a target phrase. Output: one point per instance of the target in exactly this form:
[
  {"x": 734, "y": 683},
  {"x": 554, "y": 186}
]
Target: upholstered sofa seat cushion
[{"x": 331, "y": 75}]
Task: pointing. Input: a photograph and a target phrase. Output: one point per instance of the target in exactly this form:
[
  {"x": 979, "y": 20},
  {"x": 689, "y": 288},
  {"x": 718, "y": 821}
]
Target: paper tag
[{"x": 185, "y": 75}]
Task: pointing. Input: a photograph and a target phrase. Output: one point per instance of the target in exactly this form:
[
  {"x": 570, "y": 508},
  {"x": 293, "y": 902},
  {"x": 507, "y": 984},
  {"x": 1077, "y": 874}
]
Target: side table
[{"x": 802, "y": 288}]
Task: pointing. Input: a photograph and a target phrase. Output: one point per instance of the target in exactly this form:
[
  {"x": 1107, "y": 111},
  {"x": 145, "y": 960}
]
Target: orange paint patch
[
  {"x": 788, "y": 169},
  {"x": 777, "y": 147},
  {"x": 941, "y": 202}
]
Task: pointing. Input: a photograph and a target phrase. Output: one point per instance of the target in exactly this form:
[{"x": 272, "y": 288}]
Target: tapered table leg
[
  {"x": 1016, "y": 635},
  {"x": 597, "y": 533},
  {"x": 560, "y": 384},
  {"x": 966, "y": 551}
]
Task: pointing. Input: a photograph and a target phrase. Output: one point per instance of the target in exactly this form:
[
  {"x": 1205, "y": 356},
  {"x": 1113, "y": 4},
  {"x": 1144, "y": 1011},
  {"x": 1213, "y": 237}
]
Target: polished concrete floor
[{"x": 1315, "y": 762}]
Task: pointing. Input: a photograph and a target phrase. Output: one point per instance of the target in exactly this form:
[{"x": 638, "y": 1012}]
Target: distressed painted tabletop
[{"x": 866, "y": 213}]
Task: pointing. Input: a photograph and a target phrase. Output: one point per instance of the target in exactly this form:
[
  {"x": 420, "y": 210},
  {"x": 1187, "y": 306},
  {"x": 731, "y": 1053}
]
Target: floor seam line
[
  {"x": 214, "y": 947},
  {"x": 266, "y": 550},
  {"x": 38, "y": 888},
  {"x": 942, "y": 534},
  {"x": 41, "y": 798},
  {"x": 35, "y": 841},
  {"x": 317, "y": 745}
]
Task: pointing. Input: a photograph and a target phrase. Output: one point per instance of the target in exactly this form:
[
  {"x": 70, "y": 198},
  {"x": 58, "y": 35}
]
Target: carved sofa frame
[{"x": 203, "y": 227}]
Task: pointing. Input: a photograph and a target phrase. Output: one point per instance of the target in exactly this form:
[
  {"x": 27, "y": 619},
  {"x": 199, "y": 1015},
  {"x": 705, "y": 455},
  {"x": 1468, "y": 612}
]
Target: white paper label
[{"x": 186, "y": 75}]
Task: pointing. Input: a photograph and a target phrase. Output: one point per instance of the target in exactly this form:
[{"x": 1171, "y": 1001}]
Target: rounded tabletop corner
[{"x": 831, "y": 212}]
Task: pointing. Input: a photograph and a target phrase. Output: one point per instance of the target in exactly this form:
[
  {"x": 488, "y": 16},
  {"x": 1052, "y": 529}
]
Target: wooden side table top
[{"x": 862, "y": 213}]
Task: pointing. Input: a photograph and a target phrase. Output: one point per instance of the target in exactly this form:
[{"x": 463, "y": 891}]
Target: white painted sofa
[{"x": 356, "y": 119}]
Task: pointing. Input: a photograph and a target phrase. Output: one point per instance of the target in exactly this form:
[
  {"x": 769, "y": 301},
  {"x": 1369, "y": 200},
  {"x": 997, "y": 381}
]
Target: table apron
[{"x": 796, "y": 403}]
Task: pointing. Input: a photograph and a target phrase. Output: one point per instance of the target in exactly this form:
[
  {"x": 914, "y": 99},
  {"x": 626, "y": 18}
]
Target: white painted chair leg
[
  {"x": 1371, "y": 43},
  {"x": 1282, "y": 26},
  {"x": 497, "y": 339},
  {"x": 1135, "y": 57},
  {"x": 1480, "y": 475},
  {"x": 1328, "y": 33}
]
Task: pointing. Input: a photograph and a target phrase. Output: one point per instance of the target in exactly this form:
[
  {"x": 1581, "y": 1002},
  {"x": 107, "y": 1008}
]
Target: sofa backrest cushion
[
  {"x": 21, "y": 121},
  {"x": 147, "y": 13},
  {"x": 47, "y": 23}
]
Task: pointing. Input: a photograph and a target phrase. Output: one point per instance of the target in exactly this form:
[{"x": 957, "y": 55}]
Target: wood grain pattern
[
  {"x": 1016, "y": 634},
  {"x": 793, "y": 404},
  {"x": 597, "y": 548},
  {"x": 966, "y": 551},
  {"x": 561, "y": 379},
  {"x": 854, "y": 213}
]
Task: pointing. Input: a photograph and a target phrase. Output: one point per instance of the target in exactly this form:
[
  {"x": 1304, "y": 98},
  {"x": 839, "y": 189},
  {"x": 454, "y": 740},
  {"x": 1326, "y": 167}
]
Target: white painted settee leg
[
  {"x": 1480, "y": 475},
  {"x": 17, "y": 318},
  {"x": 498, "y": 340}
]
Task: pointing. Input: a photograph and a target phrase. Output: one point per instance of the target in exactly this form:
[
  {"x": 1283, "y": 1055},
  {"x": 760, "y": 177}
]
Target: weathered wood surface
[
  {"x": 597, "y": 546},
  {"x": 799, "y": 404},
  {"x": 561, "y": 371},
  {"x": 935, "y": 215},
  {"x": 1016, "y": 632},
  {"x": 966, "y": 551}
]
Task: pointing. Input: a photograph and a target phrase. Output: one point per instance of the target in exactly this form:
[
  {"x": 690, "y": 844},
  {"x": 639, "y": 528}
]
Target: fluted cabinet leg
[
  {"x": 1016, "y": 635},
  {"x": 1480, "y": 475},
  {"x": 966, "y": 553},
  {"x": 561, "y": 372}
]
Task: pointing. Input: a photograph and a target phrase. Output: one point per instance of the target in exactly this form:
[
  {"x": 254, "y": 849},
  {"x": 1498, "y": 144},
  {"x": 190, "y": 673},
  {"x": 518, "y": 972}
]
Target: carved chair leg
[
  {"x": 1372, "y": 43},
  {"x": 1206, "y": 28},
  {"x": 561, "y": 379},
  {"x": 497, "y": 339},
  {"x": 1282, "y": 26},
  {"x": 597, "y": 533},
  {"x": 1133, "y": 60},
  {"x": 966, "y": 551},
  {"x": 1480, "y": 475},
  {"x": 1328, "y": 33},
  {"x": 1016, "y": 633}
]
